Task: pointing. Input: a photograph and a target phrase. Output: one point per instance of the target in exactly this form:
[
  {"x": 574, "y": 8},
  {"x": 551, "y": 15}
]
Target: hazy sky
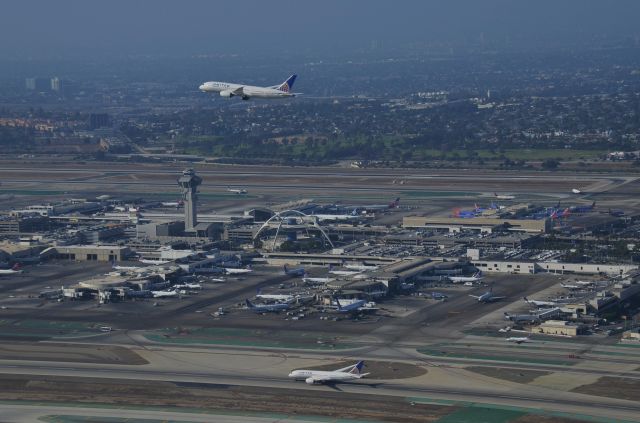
[{"x": 107, "y": 27}]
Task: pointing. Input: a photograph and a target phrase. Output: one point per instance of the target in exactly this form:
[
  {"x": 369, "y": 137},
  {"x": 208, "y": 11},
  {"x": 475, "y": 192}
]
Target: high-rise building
[{"x": 56, "y": 84}]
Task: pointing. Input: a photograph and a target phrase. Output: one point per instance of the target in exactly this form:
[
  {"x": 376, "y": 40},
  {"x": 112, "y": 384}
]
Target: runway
[{"x": 268, "y": 370}]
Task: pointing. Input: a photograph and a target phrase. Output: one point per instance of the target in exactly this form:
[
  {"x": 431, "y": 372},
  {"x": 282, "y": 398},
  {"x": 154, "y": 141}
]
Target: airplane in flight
[
  {"x": 266, "y": 308},
  {"x": 14, "y": 270},
  {"x": 228, "y": 89},
  {"x": 518, "y": 339},
  {"x": 504, "y": 196},
  {"x": 477, "y": 277},
  {"x": 294, "y": 272},
  {"x": 346, "y": 374},
  {"x": 239, "y": 191},
  {"x": 487, "y": 297}
]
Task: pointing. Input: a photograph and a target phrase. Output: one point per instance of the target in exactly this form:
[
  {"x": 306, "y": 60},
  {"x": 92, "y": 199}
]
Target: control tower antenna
[{"x": 189, "y": 183}]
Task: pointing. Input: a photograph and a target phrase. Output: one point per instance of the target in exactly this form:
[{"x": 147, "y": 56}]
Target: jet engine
[
  {"x": 226, "y": 93},
  {"x": 310, "y": 381}
]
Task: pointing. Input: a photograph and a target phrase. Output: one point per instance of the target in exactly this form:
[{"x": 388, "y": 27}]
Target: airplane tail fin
[
  {"x": 287, "y": 85},
  {"x": 357, "y": 368}
]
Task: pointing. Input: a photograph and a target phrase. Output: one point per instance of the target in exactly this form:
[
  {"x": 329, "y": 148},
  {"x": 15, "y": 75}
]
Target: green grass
[
  {"x": 246, "y": 343},
  {"x": 481, "y": 415}
]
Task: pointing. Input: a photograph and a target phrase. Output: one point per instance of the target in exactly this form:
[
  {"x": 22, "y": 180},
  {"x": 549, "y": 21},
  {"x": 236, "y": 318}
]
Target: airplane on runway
[
  {"x": 475, "y": 278},
  {"x": 517, "y": 318},
  {"x": 518, "y": 339},
  {"x": 345, "y": 374},
  {"x": 487, "y": 297},
  {"x": 576, "y": 191},
  {"x": 266, "y": 308},
  {"x": 228, "y": 89},
  {"x": 13, "y": 271},
  {"x": 504, "y": 196},
  {"x": 238, "y": 191},
  {"x": 294, "y": 272}
]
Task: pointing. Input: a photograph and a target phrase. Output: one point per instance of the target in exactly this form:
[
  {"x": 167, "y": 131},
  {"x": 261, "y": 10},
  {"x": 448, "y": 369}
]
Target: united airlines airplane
[{"x": 227, "y": 89}]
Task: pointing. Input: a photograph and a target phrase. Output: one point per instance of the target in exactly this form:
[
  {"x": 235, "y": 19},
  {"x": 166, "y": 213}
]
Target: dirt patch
[
  {"x": 612, "y": 387},
  {"x": 338, "y": 405},
  {"x": 380, "y": 369},
  {"x": 75, "y": 353},
  {"x": 512, "y": 375}
]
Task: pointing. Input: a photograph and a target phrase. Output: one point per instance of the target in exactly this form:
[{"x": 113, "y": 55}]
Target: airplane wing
[
  {"x": 238, "y": 91},
  {"x": 321, "y": 379},
  {"x": 497, "y": 298},
  {"x": 474, "y": 296}
]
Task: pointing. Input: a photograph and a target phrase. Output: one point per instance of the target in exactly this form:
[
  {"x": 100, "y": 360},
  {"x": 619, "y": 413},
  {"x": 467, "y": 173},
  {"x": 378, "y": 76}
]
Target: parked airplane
[
  {"x": 176, "y": 204},
  {"x": 345, "y": 272},
  {"x": 189, "y": 286},
  {"x": 518, "y": 340},
  {"x": 487, "y": 297},
  {"x": 287, "y": 298},
  {"x": 583, "y": 209},
  {"x": 351, "y": 216},
  {"x": 318, "y": 280},
  {"x": 266, "y": 308},
  {"x": 576, "y": 191},
  {"x": 540, "y": 303},
  {"x": 360, "y": 267},
  {"x": 475, "y": 278},
  {"x": 345, "y": 374},
  {"x": 153, "y": 261},
  {"x": 352, "y": 307},
  {"x": 237, "y": 271},
  {"x": 164, "y": 294},
  {"x": 504, "y": 196},
  {"x": 571, "y": 287},
  {"x": 14, "y": 270},
  {"x": 517, "y": 318},
  {"x": 377, "y": 207},
  {"x": 227, "y": 89},
  {"x": 294, "y": 272},
  {"x": 237, "y": 190}
]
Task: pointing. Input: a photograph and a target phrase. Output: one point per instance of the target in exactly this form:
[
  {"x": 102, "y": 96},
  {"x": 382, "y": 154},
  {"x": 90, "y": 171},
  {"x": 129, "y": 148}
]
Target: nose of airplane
[{"x": 202, "y": 87}]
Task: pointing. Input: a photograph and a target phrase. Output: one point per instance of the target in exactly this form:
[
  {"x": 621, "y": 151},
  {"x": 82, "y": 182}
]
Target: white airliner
[
  {"x": 14, "y": 270},
  {"x": 475, "y": 278},
  {"x": 576, "y": 191},
  {"x": 487, "y": 297},
  {"x": 361, "y": 267},
  {"x": 237, "y": 190},
  {"x": 539, "y": 303},
  {"x": 164, "y": 294},
  {"x": 504, "y": 196},
  {"x": 318, "y": 280},
  {"x": 228, "y": 89},
  {"x": 235, "y": 271},
  {"x": 345, "y": 374},
  {"x": 518, "y": 340}
]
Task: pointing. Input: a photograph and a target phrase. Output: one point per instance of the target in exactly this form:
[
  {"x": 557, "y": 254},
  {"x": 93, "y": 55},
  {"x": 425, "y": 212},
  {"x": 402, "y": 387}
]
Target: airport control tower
[{"x": 189, "y": 182}]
